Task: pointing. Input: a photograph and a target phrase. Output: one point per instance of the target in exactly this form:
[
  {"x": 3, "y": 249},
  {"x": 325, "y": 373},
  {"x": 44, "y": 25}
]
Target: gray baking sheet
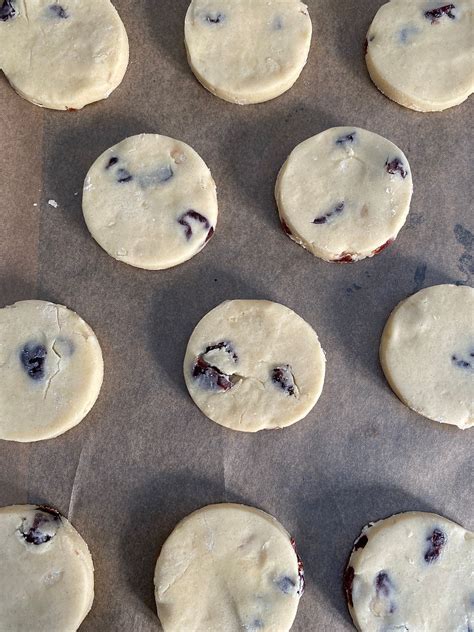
[{"x": 145, "y": 456}]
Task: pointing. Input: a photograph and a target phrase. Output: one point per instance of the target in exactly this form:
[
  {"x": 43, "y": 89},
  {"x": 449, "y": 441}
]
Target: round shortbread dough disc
[
  {"x": 62, "y": 54},
  {"x": 150, "y": 201},
  {"x": 420, "y": 52},
  {"x": 413, "y": 572},
  {"x": 47, "y": 578},
  {"x": 247, "y": 51},
  {"x": 254, "y": 365},
  {"x": 228, "y": 567},
  {"x": 427, "y": 353},
  {"x": 344, "y": 194},
  {"x": 51, "y": 370}
]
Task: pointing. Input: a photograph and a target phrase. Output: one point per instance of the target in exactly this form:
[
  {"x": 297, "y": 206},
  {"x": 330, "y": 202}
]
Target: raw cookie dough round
[
  {"x": 254, "y": 365},
  {"x": 420, "y": 52},
  {"x": 150, "y": 201},
  {"x": 412, "y": 571},
  {"x": 427, "y": 353},
  {"x": 247, "y": 51},
  {"x": 62, "y": 54},
  {"x": 47, "y": 578},
  {"x": 344, "y": 194},
  {"x": 228, "y": 567},
  {"x": 51, "y": 370}
]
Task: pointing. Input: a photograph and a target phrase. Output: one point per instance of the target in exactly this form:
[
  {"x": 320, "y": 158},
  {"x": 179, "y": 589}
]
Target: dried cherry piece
[
  {"x": 7, "y": 10},
  {"x": 383, "y": 585},
  {"x": 286, "y": 585},
  {"x": 301, "y": 587},
  {"x": 346, "y": 257},
  {"x": 383, "y": 246},
  {"x": 59, "y": 11},
  {"x": 193, "y": 215},
  {"x": 361, "y": 542},
  {"x": 349, "y": 575},
  {"x": 214, "y": 18},
  {"x": 210, "y": 377},
  {"x": 462, "y": 364},
  {"x": 396, "y": 166},
  {"x": 348, "y": 138},
  {"x": 35, "y": 534},
  {"x": 226, "y": 346},
  {"x": 113, "y": 161},
  {"x": 435, "y": 14},
  {"x": 437, "y": 541},
  {"x": 337, "y": 210},
  {"x": 283, "y": 376},
  {"x": 124, "y": 176},
  {"x": 33, "y": 357}
]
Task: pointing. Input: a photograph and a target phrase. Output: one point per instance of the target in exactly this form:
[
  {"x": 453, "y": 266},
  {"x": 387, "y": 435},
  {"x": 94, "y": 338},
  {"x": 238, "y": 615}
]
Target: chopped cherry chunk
[
  {"x": 437, "y": 541},
  {"x": 435, "y": 14}
]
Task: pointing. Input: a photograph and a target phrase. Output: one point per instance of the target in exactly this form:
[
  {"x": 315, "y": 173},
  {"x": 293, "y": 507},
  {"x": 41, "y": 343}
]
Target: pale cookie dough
[
  {"x": 51, "y": 370},
  {"x": 150, "y": 201},
  {"x": 427, "y": 353},
  {"x": 344, "y": 194},
  {"x": 420, "y": 52},
  {"x": 247, "y": 51},
  {"x": 228, "y": 567},
  {"x": 47, "y": 578},
  {"x": 412, "y": 572},
  {"x": 62, "y": 54},
  {"x": 254, "y": 365}
]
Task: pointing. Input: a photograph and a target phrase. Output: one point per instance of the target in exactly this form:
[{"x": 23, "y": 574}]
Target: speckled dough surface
[
  {"x": 344, "y": 194},
  {"x": 47, "y": 578},
  {"x": 51, "y": 370},
  {"x": 412, "y": 572},
  {"x": 228, "y": 567},
  {"x": 427, "y": 353},
  {"x": 150, "y": 201},
  {"x": 62, "y": 54},
  {"x": 254, "y": 365},
  {"x": 247, "y": 51},
  {"x": 420, "y": 52}
]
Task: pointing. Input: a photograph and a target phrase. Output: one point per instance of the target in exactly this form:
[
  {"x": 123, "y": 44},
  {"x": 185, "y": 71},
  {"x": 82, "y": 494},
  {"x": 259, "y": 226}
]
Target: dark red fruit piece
[
  {"x": 35, "y": 535},
  {"x": 193, "y": 215},
  {"x": 49, "y": 510},
  {"x": 210, "y": 377},
  {"x": 33, "y": 357},
  {"x": 286, "y": 585},
  {"x": 214, "y": 18},
  {"x": 437, "y": 541},
  {"x": 210, "y": 234},
  {"x": 349, "y": 575},
  {"x": 337, "y": 210},
  {"x": 396, "y": 166},
  {"x": 462, "y": 364},
  {"x": 300, "y": 590},
  {"x": 226, "y": 346},
  {"x": 383, "y": 246},
  {"x": 58, "y": 11},
  {"x": 7, "y": 10},
  {"x": 361, "y": 542},
  {"x": 113, "y": 161},
  {"x": 283, "y": 376},
  {"x": 124, "y": 176},
  {"x": 346, "y": 257},
  {"x": 344, "y": 140},
  {"x": 383, "y": 585},
  {"x": 435, "y": 14}
]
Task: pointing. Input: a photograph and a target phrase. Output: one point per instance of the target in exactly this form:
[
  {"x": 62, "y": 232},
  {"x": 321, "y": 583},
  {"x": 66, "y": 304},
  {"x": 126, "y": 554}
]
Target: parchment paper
[{"x": 145, "y": 456}]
